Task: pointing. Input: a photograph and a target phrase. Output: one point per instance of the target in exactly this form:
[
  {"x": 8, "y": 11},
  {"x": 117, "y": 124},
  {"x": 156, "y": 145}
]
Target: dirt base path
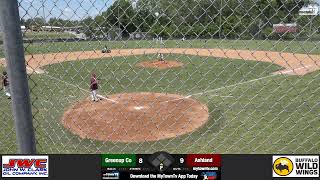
[
  {"x": 135, "y": 117},
  {"x": 160, "y": 64},
  {"x": 294, "y": 63}
]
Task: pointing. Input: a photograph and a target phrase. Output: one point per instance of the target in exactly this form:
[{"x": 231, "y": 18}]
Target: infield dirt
[
  {"x": 293, "y": 63},
  {"x": 160, "y": 64},
  {"x": 135, "y": 117}
]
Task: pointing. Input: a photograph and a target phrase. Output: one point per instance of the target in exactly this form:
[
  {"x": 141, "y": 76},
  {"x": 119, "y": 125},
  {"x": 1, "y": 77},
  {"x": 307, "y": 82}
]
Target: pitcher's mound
[
  {"x": 160, "y": 64},
  {"x": 135, "y": 117}
]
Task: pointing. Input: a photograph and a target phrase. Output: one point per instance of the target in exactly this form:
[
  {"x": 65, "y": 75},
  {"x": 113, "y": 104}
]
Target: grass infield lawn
[
  {"x": 251, "y": 110},
  {"x": 305, "y": 47}
]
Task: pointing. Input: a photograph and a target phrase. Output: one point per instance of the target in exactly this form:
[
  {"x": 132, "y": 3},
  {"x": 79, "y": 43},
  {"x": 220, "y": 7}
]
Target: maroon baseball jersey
[
  {"x": 94, "y": 83},
  {"x": 5, "y": 81}
]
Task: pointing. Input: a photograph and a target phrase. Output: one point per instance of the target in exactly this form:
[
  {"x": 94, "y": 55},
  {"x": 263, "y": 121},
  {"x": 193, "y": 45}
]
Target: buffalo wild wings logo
[
  {"x": 295, "y": 166},
  {"x": 282, "y": 166}
]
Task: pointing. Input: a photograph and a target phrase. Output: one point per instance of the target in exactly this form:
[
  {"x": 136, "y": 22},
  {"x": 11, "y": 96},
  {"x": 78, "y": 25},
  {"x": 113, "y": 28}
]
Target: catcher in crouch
[
  {"x": 106, "y": 50},
  {"x": 161, "y": 57},
  {"x": 94, "y": 87}
]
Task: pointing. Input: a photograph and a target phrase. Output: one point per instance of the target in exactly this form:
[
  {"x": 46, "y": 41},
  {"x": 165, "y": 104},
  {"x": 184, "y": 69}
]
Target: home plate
[{"x": 139, "y": 107}]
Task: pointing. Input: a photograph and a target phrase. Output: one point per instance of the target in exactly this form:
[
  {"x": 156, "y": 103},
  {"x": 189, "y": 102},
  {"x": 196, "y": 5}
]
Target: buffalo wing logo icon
[{"x": 282, "y": 166}]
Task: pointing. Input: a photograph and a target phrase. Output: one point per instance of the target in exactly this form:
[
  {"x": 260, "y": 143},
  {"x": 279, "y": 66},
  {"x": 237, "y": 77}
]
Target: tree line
[{"x": 193, "y": 18}]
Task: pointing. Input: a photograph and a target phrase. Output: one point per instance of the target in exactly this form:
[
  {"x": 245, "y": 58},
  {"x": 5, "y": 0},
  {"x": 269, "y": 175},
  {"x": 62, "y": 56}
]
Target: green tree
[
  {"x": 88, "y": 26},
  {"x": 119, "y": 14}
]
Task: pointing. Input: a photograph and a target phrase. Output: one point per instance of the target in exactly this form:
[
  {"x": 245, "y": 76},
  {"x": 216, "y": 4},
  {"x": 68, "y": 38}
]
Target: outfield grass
[
  {"x": 44, "y": 35},
  {"x": 47, "y": 35},
  {"x": 278, "y": 114},
  {"x": 307, "y": 47}
]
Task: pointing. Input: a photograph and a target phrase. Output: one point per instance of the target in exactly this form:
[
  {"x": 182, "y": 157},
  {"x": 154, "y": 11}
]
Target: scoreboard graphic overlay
[{"x": 161, "y": 165}]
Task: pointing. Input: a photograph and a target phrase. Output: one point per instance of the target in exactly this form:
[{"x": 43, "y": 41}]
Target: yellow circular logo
[{"x": 282, "y": 166}]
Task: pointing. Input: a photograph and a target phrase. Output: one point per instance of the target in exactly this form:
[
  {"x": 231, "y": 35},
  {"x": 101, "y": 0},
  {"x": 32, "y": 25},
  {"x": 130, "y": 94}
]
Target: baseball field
[{"x": 224, "y": 97}]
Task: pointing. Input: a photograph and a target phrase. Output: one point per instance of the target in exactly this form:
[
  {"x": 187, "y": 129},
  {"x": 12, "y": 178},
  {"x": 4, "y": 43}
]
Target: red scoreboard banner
[
  {"x": 204, "y": 160},
  {"x": 160, "y": 165}
]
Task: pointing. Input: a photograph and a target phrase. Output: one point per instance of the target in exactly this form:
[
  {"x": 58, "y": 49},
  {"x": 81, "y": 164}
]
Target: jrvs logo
[
  {"x": 25, "y": 166},
  {"x": 295, "y": 166}
]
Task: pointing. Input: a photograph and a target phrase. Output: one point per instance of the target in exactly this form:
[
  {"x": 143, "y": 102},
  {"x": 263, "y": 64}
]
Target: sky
[{"x": 65, "y": 9}]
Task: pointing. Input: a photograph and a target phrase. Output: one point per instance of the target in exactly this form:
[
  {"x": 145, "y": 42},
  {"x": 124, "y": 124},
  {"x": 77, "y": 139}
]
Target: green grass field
[
  {"x": 44, "y": 35},
  {"x": 306, "y": 47},
  {"x": 275, "y": 114}
]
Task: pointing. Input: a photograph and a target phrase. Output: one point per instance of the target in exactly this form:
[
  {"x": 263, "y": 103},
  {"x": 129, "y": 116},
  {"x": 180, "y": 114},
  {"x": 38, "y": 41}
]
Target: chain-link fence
[{"x": 183, "y": 76}]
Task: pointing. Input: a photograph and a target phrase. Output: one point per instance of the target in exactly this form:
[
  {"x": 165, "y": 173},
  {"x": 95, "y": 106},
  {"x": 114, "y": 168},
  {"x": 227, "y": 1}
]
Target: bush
[{"x": 267, "y": 33}]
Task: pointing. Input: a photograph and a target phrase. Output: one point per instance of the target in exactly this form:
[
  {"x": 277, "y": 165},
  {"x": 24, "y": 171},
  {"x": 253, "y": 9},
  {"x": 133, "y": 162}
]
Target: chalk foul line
[
  {"x": 186, "y": 97},
  {"x": 100, "y": 96},
  {"x": 224, "y": 87}
]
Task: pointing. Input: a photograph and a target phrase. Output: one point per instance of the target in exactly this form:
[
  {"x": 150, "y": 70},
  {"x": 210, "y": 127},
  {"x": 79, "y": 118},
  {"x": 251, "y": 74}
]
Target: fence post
[{"x": 14, "y": 53}]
